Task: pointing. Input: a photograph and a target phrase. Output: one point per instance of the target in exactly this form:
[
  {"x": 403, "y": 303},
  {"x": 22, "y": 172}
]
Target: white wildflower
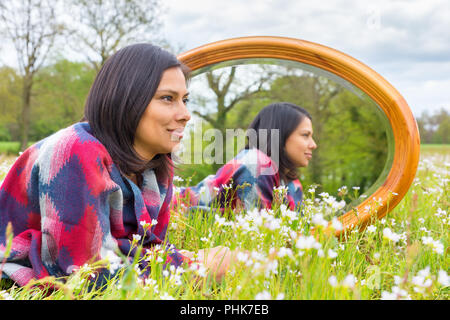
[
  {"x": 332, "y": 254},
  {"x": 319, "y": 220},
  {"x": 4, "y": 295},
  {"x": 333, "y": 281},
  {"x": 307, "y": 243},
  {"x": 150, "y": 282},
  {"x": 273, "y": 224},
  {"x": 115, "y": 262},
  {"x": 286, "y": 212},
  {"x": 343, "y": 190},
  {"x": 271, "y": 268},
  {"x": 284, "y": 252},
  {"x": 219, "y": 220},
  {"x": 177, "y": 179},
  {"x": 422, "y": 280},
  {"x": 440, "y": 213},
  {"x": 144, "y": 224},
  {"x": 371, "y": 228},
  {"x": 396, "y": 294},
  {"x": 349, "y": 281},
  {"x": 136, "y": 237},
  {"x": 280, "y": 296},
  {"x": 336, "y": 224},
  {"x": 201, "y": 270},
  {"x": 388, "y": 234},
  {"x": 166, "y": 296},
  {"x": 443, "y": 278},
  {"x": 264, "y": 295},
  {"x": 242, "y": 256},
  {"x": 436, "y": 245}
]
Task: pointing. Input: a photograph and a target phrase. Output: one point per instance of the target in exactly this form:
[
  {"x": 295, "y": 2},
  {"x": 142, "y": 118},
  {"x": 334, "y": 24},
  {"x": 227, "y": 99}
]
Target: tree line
[{"x": 434, "y": 127}]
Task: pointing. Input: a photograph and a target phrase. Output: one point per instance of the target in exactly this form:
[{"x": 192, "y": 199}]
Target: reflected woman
[
  {"x": 263, "y": 165},
  {"x": 90, "y": 189}
]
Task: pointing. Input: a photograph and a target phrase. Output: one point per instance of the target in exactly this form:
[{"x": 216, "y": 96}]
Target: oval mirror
[{"x": 367, "y": 136}]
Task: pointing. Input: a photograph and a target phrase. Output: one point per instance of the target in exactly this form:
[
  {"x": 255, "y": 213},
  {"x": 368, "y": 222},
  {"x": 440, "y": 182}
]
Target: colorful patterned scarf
[
  {"x": 69, "y": 205},
  {"x": 250, "y": 179}
]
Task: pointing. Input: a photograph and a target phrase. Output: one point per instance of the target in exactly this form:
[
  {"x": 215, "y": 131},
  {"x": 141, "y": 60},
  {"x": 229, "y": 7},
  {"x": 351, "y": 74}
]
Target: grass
[
  {"x": 443, "y": 149},
  {"x": 10, "y": 147},
  {"x": 403, "y": 256}
]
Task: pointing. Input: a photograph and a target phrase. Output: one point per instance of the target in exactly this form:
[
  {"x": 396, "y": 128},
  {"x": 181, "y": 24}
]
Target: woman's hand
[{"x": 217, "y": 260}]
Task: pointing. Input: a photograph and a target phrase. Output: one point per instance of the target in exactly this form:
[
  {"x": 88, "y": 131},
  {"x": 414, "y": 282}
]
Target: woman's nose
[{"x": 184, "y": 114}]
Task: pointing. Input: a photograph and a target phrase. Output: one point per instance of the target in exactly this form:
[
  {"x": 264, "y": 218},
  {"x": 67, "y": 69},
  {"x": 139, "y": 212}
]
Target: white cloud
[{"x": 405, "y": 41}]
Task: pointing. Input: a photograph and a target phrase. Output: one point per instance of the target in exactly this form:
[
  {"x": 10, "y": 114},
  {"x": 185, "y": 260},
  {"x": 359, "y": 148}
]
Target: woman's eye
[
  {"x": 166, "y": 98},
  {"x": 185, "y": 100}
]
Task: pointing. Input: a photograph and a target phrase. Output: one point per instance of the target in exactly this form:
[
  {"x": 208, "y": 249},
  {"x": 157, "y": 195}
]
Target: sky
[{"x": 406, "y": 42}]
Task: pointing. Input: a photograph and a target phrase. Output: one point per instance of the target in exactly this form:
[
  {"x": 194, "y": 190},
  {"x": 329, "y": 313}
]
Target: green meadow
[{"x": 402, "y": 256}]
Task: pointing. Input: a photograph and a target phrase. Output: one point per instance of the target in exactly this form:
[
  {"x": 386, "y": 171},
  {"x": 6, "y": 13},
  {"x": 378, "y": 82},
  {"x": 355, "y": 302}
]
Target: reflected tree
[
  {"x": 228, "y": 92},
  {"x": 347, "y": 125}
]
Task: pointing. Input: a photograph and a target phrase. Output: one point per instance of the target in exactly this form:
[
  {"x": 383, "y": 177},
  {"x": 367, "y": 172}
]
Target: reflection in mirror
[{"x": 354, "y": 137}]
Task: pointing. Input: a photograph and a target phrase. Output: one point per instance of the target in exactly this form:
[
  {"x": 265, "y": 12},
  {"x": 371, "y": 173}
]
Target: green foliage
[
  {"x": 60, "y": 91},
  {"x": 10, "y": 103},
  {"x": 9, "y": 147}
]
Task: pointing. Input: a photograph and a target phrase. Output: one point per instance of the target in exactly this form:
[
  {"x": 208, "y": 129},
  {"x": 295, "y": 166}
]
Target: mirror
[
  {"x": 353, "y": 134},
  {"x": 354, "y": 126}
]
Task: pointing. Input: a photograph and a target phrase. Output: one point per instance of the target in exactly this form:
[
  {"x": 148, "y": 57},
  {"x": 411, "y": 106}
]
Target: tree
[
  {"x": 434, "y": 128},
  {"x": 60, "y": 94},
  {"x": 103, "y": 26},
  {"x": 32, "y": 26},
  {"x": 314, "y": 93},
  {"x": 10, "y": 86}
]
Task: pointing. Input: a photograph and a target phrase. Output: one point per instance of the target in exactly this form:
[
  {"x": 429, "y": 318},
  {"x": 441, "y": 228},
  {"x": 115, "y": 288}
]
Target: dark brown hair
[
  {"x": 121, "y": 92},
  {"x": 285, "y": 117}
]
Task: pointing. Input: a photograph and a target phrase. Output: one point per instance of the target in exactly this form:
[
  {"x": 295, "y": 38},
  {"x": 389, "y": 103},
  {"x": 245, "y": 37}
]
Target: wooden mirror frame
[{"x": 401, "y": 119}]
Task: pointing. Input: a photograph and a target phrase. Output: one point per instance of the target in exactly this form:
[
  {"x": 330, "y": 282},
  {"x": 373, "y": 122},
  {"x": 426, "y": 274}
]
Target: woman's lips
[
  {"x": 308, "y": 155},
  {"x": 176, "y": 134}
]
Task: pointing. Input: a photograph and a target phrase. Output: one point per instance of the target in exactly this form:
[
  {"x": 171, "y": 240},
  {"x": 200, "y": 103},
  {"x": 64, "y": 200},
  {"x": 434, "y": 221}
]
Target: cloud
[{"x": 407, "y": 42}]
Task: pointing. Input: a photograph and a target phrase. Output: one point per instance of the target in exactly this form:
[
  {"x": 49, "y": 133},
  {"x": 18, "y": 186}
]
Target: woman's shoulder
[
  {"x": 253, "y": 155},
  {"x": 73, "y": 141},
  {"x": 254, "y": 158}
]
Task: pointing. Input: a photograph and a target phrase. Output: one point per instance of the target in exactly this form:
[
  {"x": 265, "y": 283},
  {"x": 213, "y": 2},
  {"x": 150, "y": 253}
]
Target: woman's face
[
  {"x": 161, "y": 127},
  {"x": 300, "y": 144}
]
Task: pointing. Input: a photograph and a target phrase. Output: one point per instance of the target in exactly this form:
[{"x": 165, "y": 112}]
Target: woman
[
  {"x": 93, "y": 187},
  {"x": 279, "y": 142}
]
